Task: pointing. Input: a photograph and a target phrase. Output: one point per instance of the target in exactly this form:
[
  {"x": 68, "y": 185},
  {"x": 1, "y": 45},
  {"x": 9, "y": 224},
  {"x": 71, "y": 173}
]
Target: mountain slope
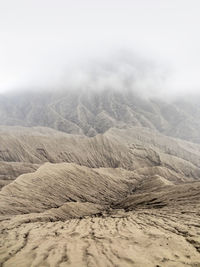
[
  {"x": 121, "y": 190},
  {"x": 25, "y": 149},
  {"x": 90, "y": 112},
  {"x": 52, "y": 185}
]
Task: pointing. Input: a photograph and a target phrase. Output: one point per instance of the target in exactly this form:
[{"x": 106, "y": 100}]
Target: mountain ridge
[{"x": 89, "y": 112}]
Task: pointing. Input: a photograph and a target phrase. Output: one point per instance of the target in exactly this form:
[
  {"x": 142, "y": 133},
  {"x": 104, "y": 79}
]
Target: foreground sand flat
[{"x": 141, "y": 238}]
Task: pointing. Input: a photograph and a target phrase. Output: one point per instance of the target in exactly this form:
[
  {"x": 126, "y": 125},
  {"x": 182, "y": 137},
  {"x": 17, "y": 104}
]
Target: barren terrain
[{"x": 128, "y": 196}]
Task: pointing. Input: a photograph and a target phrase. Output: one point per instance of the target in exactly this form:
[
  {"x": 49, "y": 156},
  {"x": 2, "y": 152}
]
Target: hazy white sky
[{"x": 40, "y": 39}]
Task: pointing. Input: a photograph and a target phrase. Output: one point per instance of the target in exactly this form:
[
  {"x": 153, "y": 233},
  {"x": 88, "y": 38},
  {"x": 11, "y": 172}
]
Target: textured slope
[
  {"x": 10, "y": 170},
  {"x": 128, "y": 197},
  {"x": 171, "y": 196},
  {"x": 124, "y": 218},
  {"x": 52, "y": 185},
  {"x": 90, "y": 112},
  {"x": 132, "y": 149}
]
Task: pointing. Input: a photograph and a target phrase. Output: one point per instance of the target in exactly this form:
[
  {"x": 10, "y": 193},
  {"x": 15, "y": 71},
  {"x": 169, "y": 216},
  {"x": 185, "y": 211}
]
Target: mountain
[
  {"x": 89, "y": 112},
  {"x": 99, "y": 179}
]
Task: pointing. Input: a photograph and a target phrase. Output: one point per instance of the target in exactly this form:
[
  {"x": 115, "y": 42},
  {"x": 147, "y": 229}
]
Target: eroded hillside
[
  {"x": 85, "y": 219},
  {"x": 25, "y": 149},
  {"x": 128, "y": 197},
  {"x": 89, "y": 112}
]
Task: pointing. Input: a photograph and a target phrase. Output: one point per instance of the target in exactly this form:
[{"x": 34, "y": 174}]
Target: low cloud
[{"x": 122, "y": 70}]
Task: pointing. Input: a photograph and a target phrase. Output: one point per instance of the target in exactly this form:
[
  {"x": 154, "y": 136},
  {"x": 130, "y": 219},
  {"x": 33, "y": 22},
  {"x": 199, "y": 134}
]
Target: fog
[{"x": 150, "y": 46}]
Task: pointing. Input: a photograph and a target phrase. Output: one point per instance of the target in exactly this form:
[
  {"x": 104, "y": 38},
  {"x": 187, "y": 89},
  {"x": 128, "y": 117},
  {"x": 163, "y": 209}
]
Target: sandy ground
[
  {"x": 105, "y": 217},
  {"x": 141, "y": 238}
]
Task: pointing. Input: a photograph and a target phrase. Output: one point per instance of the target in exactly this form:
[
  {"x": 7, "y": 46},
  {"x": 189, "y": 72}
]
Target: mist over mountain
[
  {"x": 88, "y": 111},
  {"x": 99, "y": 133},
  {"x": 104, "y": 157}
]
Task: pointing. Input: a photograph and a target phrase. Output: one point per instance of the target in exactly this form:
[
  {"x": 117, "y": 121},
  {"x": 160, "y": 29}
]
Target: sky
[{"x": 43, "y": 41}]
